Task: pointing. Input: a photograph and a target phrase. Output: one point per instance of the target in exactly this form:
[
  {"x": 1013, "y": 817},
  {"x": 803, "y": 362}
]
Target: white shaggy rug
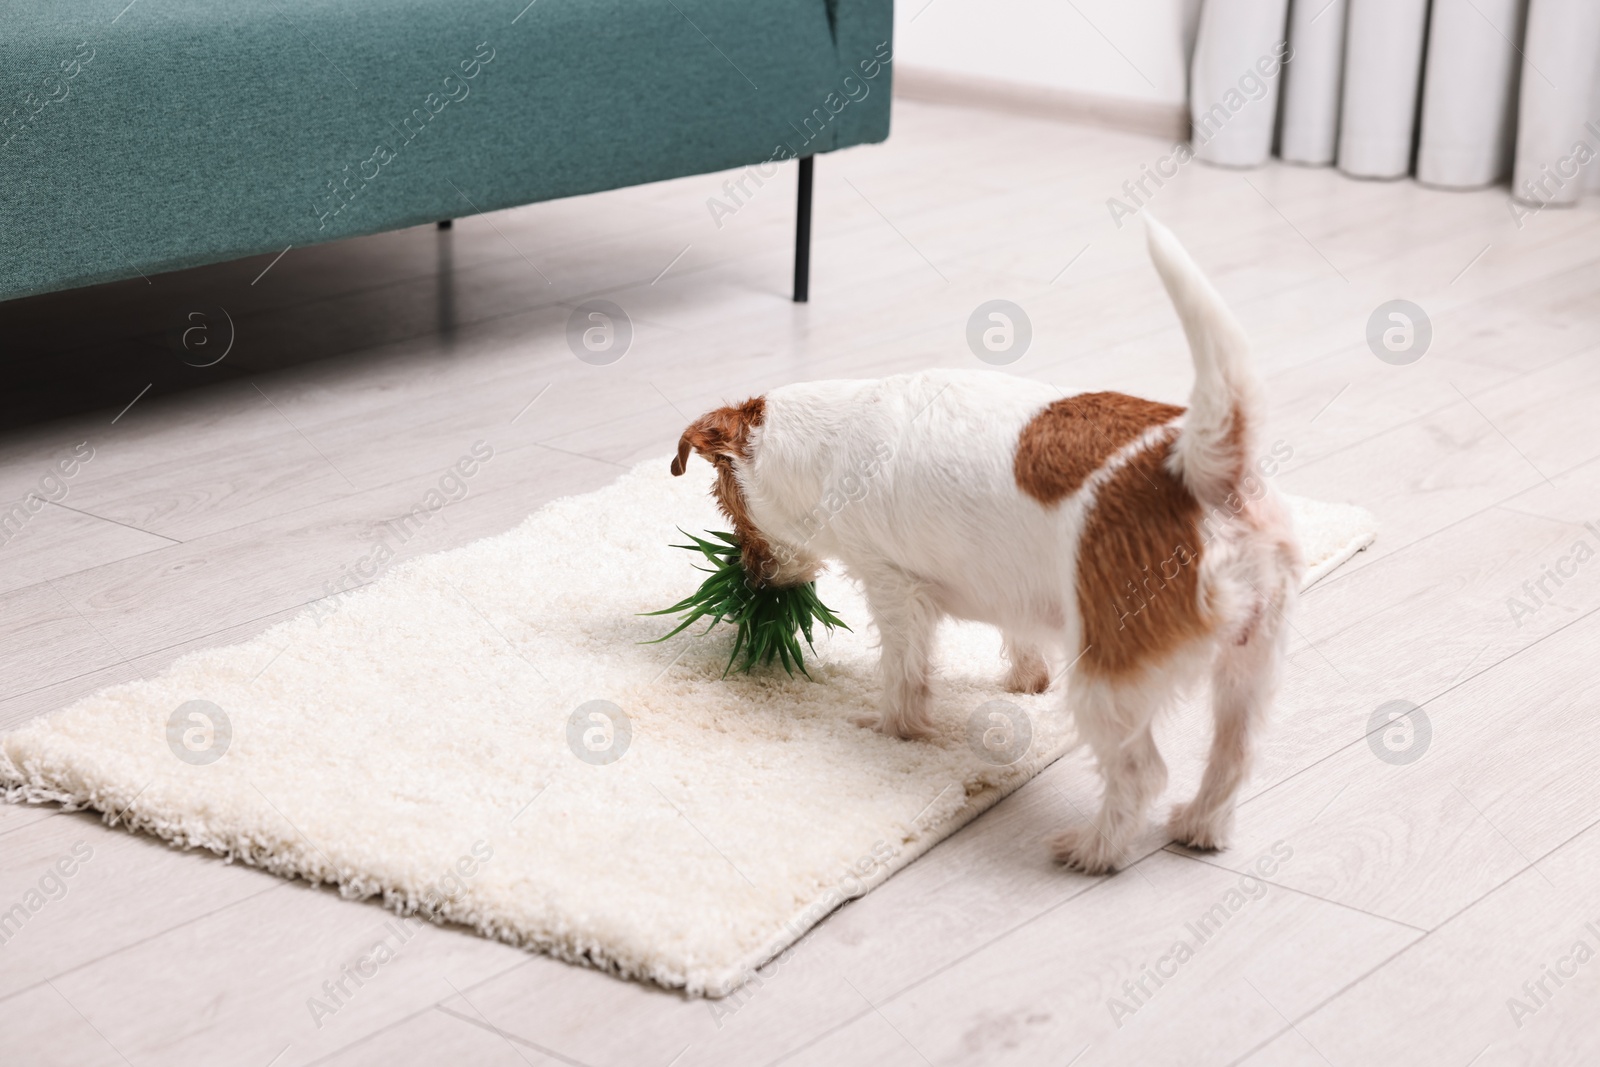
[{"x": 431, "y": 738}]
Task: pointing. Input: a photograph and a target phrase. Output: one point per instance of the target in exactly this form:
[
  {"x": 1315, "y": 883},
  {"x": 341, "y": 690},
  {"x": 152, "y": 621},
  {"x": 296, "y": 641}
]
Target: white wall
[{"x": 1049, "y": 44}]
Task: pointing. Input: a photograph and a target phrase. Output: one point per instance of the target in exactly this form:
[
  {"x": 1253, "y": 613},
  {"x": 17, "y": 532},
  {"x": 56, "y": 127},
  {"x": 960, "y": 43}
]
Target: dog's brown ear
[
  {"x": 681, "y": 463},
  {"x": 720, "y": 435}
]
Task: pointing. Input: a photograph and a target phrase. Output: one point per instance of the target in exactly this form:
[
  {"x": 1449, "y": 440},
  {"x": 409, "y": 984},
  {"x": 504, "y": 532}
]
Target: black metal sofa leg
[{"x": 802, "y": 235}]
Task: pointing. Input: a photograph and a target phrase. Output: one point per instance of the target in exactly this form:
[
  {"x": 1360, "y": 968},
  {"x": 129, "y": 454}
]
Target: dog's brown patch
[
  {"x": 1073, "y": 437},
  {"x": 723, "y": 437},
  {"x": 1138, "y": 579}
]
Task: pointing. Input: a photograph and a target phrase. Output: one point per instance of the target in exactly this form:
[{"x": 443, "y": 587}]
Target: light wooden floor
[{"x": 1417, "y": 898}]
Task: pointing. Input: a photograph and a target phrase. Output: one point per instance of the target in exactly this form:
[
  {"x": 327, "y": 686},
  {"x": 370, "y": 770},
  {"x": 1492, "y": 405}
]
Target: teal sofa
[{"x": 162, "y": 134}]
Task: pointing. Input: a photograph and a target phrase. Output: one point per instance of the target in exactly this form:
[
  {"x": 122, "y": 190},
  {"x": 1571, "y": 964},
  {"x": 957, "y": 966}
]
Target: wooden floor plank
[
  {"x": 67, "y": 871},
  {"x": 1499, "y": 984},
  {"x": 299, "y": 943},
  {"x": 434, "y": 1036},
  {"x": 61, "y": 540},
  {"x": 41, "y": 1026},
  {"x": 1044, "y": 1002}
]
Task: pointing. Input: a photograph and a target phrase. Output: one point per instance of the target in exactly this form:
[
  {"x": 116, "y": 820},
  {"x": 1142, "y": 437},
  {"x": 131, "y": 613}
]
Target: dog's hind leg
[
  {"x": 1114, "y": 718},
  {"x": 906, "y": 617},
  {"x": 1029, "y": 672},
  {"x": 1244, "y": 678}
]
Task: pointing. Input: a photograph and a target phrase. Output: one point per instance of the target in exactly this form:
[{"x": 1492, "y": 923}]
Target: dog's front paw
[
  {"x": 1086, "y": 849},
  {"x": 1027, "y": 678},
  {"x": 1200, "y": 830},
  {"x": 1029, "y": 671}
]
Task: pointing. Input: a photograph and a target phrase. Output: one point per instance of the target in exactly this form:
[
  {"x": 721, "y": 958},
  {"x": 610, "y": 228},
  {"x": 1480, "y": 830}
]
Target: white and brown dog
[{"x": 1132, "y": 537}]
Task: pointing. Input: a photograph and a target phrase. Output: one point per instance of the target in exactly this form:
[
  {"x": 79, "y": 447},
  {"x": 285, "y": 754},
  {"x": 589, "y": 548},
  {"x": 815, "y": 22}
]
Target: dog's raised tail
[{"x": 1225, "y": 407}]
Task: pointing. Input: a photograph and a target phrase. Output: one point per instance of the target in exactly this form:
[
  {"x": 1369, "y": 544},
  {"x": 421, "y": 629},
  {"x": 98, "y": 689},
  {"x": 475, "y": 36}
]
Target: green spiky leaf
[{"x": 770, "y": 622}]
